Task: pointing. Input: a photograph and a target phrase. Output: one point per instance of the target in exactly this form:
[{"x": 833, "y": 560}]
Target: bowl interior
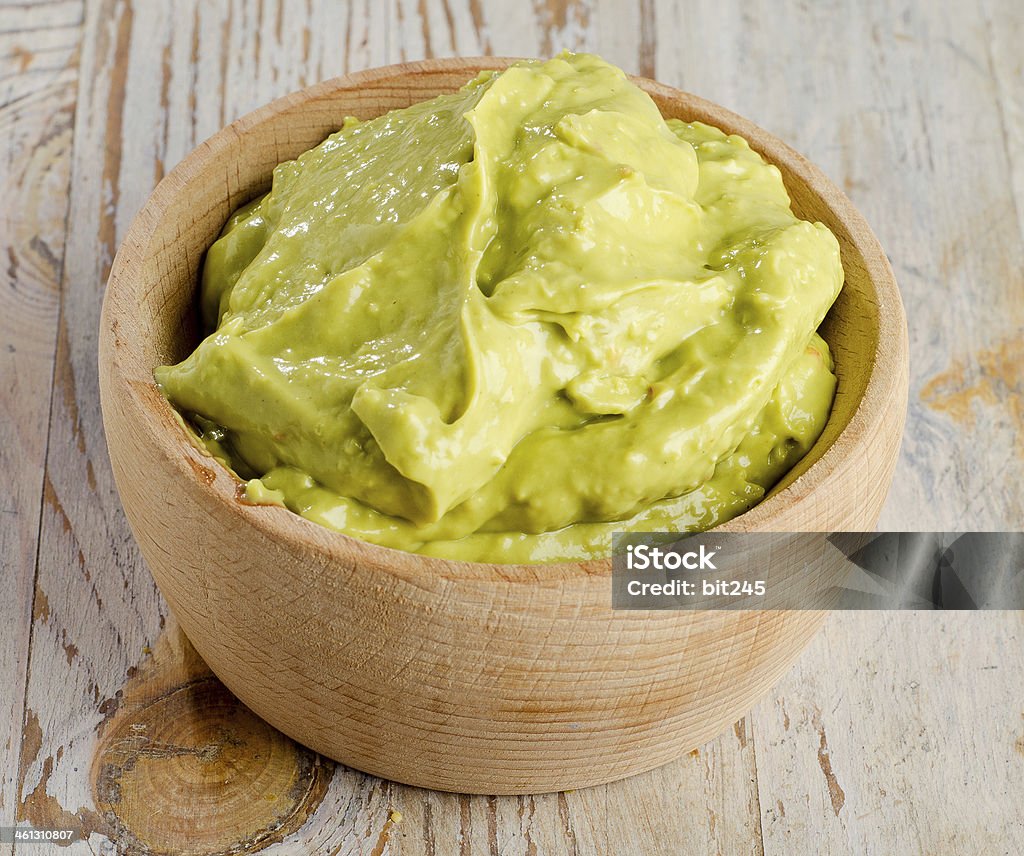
[{"x": 189, "y": 208}]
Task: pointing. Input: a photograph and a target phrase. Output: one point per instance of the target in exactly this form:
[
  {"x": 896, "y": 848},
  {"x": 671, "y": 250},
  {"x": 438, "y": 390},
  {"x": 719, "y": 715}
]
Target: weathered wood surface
[
  {"x": 37, "y": 100},
  {"x": 895, "y": 733}
]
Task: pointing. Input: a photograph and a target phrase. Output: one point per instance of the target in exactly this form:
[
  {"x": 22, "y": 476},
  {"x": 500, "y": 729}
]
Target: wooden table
[{"x": 896, "y": 733}]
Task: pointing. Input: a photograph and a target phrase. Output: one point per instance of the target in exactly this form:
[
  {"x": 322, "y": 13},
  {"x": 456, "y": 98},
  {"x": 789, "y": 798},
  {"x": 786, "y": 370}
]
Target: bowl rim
[{"x": 888, "y": 367}]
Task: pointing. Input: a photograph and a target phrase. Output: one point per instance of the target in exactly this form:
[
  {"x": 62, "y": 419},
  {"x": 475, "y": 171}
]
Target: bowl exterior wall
[{"x": 464, "y": 685}]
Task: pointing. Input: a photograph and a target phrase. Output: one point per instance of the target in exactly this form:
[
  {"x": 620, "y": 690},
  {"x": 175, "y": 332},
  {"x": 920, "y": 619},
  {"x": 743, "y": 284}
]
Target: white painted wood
[
  {"x": 1004, "y": 29},
  {"x": 37, "y": 91},
  {"x": 102, "y": 610},
  {"x": 896, "y": 733}
]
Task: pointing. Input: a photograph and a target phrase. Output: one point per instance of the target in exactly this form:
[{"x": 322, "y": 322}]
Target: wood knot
[{"x": 196, "y": 772}]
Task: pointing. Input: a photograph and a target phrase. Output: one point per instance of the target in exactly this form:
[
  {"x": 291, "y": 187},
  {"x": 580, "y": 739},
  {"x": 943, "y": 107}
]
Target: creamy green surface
[{"x": 504, "y": 323}]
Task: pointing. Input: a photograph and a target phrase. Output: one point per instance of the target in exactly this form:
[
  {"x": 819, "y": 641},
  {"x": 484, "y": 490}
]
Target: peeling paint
[
  {"x": 989, "y": 379},
  {"x": 836, "y": 794}
]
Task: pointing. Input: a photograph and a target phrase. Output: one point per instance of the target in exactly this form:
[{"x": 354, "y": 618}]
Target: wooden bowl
[{"x": 458, "y": 676}]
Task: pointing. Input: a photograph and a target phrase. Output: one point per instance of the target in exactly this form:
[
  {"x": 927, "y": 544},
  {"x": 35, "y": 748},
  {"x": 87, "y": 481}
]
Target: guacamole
[{"x": 504, "y": 323}]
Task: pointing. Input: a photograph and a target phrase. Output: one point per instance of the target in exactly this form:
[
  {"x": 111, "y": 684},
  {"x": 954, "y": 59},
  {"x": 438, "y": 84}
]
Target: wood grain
[
  {"x": 38, "y": 56},
  {"x": 100, "y": 612},
  {"x": 179, "y": 740},
  {"x": 839, "y": 82}
]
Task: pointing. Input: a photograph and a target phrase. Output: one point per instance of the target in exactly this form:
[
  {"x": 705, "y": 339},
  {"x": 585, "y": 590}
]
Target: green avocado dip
[{"x": 504, "y": 323}]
